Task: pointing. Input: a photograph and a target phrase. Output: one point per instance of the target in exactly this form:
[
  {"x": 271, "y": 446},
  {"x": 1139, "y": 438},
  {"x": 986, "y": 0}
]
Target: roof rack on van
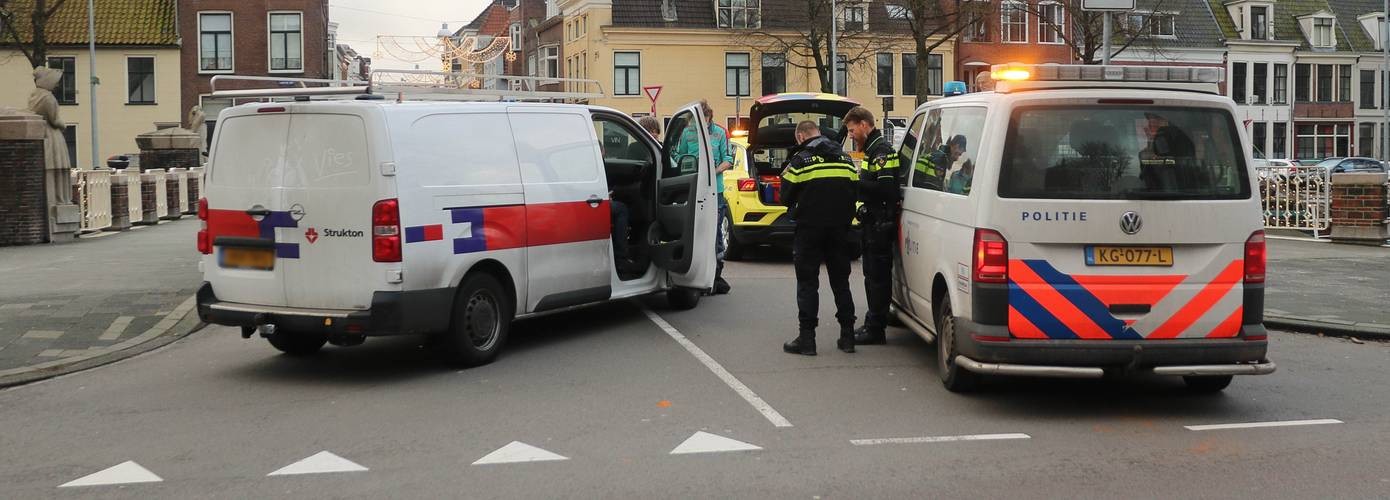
[
  {"x": 1016, "y": 77},
  {"x": 414, "y": 85}
]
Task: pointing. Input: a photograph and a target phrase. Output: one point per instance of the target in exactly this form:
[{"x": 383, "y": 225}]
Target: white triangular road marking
[
  {"x": 516, "y": 452},
  {"x": 125, "y": 473},
  {"x": 704, "y": 442},
  {"x": 321, "y": 462}
]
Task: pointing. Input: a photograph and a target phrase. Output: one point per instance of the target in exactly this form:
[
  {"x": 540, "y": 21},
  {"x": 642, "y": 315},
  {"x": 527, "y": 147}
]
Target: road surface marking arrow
[
  {"x": 322, "y": 462},
  {"x": 128, "y": 472},
  {"x": 704, "y": 442},
  {"x": 517, "y": 452}
]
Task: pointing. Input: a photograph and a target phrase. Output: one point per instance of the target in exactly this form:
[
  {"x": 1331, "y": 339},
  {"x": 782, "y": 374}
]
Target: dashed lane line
[
  {"x": 729, "y": 379},
  {"x": 1256, "y": 425},
  {"x": 939, "y": 439}
]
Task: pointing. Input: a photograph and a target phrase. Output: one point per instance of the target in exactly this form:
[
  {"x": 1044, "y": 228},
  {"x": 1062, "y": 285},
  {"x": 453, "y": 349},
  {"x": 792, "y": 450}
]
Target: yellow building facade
[
  {"x": 120, "y": 116},
  {"x": 691, "y": 64}
]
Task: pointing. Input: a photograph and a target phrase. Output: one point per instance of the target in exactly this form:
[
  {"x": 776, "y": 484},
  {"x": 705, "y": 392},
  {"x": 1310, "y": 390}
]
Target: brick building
[
  {"x": 1031, "y": 32},
  {"x": 275, "y": 38}
]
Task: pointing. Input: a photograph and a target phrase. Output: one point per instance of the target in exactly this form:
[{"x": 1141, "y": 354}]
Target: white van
[
  {"x": 1080, "y": 220},
  {"x": 332, "y": 221}
]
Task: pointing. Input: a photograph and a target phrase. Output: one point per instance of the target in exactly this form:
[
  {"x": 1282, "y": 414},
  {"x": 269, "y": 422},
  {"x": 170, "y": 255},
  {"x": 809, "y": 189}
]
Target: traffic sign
[
  {"x": 1107, "y": 5},
  {"x": 652, "y": 92}
]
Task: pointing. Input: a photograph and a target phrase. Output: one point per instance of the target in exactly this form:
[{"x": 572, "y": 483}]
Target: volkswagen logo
[{"x": 1131, "y": 223}]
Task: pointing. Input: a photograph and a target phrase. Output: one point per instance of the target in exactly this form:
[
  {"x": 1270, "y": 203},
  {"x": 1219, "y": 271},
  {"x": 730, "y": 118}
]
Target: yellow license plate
[
  {"x": 248, "y": 258},
  {"x": 1129, "y": 256}
]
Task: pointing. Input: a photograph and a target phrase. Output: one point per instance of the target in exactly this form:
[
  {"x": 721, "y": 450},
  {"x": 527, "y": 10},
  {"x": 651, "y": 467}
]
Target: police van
[
  {"x": 332, "y": 221},
  {"x": 1084, "y": 220}
]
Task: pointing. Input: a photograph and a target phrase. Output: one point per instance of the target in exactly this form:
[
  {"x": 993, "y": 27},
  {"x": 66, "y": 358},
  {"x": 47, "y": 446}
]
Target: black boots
[
  {"x": 801, "y": 345},
  {"x": 863, "y": 336},
  {"x": 846, "y": 341}
]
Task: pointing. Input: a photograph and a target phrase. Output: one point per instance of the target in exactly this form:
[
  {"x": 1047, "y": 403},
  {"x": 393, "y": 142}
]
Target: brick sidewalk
[{"x": 66, "y": 301}]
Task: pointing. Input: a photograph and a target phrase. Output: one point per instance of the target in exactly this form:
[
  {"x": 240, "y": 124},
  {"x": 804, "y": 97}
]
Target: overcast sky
[{"x": 360, "y": 21}]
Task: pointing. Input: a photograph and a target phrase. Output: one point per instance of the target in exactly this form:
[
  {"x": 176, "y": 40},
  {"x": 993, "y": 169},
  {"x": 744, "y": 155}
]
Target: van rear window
[{"x": 1123, "y": 153}]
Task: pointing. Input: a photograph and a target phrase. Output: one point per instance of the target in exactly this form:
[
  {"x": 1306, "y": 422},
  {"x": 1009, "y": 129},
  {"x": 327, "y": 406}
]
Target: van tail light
[
  {"x": 204, "y": 238},
  {"x": 991, "y": 257},
  {"x": 1255, "y": 258},
  {"x": 747, "y": 185},
  {"x": 386, "y": 231}
]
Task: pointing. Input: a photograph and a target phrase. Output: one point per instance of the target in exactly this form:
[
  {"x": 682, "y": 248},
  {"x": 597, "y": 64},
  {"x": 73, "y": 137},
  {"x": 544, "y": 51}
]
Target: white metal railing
[
  {"x": 180, "y": 176},
  {"x": 161, "y": 192},
  {"x": 94, "y": 197},
  {"x": 1296, "y": 197},
  {"x": 135, "y": 206}
]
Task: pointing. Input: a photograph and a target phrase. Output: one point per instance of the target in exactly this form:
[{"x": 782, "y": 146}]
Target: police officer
[
  {"x": 879, "y": 190},
  {"x": 818, "y": 188}
]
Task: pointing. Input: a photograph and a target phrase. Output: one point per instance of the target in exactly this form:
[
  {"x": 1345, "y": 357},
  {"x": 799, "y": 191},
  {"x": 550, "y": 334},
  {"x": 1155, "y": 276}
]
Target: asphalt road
[{"x": 614, "y": 393}]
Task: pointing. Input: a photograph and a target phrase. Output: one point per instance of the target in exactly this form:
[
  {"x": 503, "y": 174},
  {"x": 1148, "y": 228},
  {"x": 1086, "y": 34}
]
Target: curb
[
  {"x": 1366, "y": 331},
  {"x": 177, "y": 321}
]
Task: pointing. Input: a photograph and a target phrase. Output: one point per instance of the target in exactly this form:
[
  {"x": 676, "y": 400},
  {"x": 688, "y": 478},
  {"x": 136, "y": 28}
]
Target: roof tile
[{"x": 118, "y": 22}]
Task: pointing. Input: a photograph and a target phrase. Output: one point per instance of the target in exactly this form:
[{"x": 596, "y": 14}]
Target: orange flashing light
[{"x": 1011, "y": 74}]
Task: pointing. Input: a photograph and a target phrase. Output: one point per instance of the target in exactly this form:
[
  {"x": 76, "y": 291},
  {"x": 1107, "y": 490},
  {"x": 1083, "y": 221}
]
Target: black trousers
[
  {"x": 878, "y": 272},
  {"x": 813, "y": 246}
]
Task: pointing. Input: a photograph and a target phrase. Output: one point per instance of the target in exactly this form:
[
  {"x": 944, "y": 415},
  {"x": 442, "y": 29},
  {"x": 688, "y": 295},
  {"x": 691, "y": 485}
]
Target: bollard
[
  {"x": 149, "y": 198},
  {"x": 120, "y": 203}
]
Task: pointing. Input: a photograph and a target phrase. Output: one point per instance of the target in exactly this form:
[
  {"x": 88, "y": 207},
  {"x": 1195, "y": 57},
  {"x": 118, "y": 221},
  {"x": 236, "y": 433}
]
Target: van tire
[
  {"x": 297, "y": 344},
  {"x": 683, "y": 299},
  {"x": 1207, "y": 385},
  {"x": 482, "y": 316},
  {"x": 733, "y": 250},
  {"x": 955, "y": 378}
]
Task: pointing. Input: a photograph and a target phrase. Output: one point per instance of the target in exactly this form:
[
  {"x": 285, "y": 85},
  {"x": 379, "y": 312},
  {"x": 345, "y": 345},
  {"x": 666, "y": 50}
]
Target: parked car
[{"x": 1354, "y": 164}]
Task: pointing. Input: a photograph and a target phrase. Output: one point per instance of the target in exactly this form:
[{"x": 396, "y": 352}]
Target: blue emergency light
[{"x": 954, "y": 88}]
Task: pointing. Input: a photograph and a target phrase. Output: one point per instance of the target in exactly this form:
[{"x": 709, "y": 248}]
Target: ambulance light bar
[{"x": 1094, "y": 73}]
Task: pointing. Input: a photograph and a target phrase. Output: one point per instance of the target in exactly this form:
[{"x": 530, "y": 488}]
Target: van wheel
[
  {"x": 733, "y": 250},
  {"x": 297, "y": 343},
  {"x": 955, "y": 378},
  {"x": 481, "y": 319},
  {"x": 683, "y": 299},
  {"x": 1207, "y": 385}
]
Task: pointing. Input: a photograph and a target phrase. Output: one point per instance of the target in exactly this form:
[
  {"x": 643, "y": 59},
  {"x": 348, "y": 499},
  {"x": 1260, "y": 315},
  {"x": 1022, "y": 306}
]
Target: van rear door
[
  {"x": 682, "y": 240},
  {"x": 329, "y": 192},
  {"x": 1125, "y": 221},
  {"x": 245, "y": 208}
]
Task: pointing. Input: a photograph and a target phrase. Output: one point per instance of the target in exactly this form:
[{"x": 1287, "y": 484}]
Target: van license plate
[
  {"x": 1129, "y": 256},
  {"x": 248, "y": 258}
]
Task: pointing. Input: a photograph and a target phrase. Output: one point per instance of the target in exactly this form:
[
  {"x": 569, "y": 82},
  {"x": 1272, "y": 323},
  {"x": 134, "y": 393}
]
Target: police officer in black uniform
[
  {"x": 879, "y": 190},
  {"x": 818, "y": 188}
]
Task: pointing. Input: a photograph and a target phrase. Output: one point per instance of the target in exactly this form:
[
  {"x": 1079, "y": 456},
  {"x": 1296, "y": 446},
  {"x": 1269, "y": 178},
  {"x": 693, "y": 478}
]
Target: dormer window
[
  {"x": 739, "y": 14},
  {"x": 1322, "y": 32},
  {"x": 1154, "y": 24},
  {"x": 1259, "y": 23},
  {"x": 854, "y": 17}
]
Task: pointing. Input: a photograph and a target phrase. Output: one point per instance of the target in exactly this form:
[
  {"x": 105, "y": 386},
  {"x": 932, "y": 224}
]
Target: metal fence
[
  {"x": 1296, "y": 198},
  {"x": 134, "y": 202},
  {"x": 94, "y": 198},
  {"x": 161, "y": 191}
]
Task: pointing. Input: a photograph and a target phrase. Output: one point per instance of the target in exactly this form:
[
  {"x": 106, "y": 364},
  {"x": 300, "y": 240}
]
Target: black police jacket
[{"x": 819, "y": 184}]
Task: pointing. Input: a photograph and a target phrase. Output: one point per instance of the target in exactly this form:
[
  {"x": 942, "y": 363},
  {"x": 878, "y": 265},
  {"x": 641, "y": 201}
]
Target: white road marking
[
  {"x": 704, "y": 442},
  {"x": 747, "y": 394},
  {"x": 117, "y": 327},
  {"x": 128, "y": 472},
  {"x": 1255, "y": 425},
  {"x": 518, "y": 452},
  {"x": 321, "y": 462},
  {"x": 939, "y": 439}
]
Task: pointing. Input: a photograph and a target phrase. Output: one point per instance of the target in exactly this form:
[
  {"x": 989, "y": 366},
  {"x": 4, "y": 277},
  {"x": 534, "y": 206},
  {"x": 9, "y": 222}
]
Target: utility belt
[{"x": 879, "y": 216}]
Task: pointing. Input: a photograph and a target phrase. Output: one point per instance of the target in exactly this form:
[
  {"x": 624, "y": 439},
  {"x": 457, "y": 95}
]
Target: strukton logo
[
  {"x": 343, "y": 233},
  {"x": 311, "y": 235}
]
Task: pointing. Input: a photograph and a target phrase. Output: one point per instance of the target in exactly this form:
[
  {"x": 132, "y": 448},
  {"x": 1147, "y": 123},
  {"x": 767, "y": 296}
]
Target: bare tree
[
  {"x": 939, "y": 19},
  {"x": 810, "y": 40},
  {"x": 1086, "y": 34},
  {"x": 35, "y": 49}
]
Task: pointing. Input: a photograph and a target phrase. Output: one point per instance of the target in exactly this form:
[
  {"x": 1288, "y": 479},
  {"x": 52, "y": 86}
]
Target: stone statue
[
  {"x": 58, "y": 166},
  {"x": 197, "y": 123}
]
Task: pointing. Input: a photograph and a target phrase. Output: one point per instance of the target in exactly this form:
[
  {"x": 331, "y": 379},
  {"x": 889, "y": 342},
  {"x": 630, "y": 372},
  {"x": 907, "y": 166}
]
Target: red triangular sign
[{"x": 652, "y": 92}]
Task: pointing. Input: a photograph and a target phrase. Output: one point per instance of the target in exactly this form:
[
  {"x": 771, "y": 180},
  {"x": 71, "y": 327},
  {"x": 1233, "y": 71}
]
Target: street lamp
[{"x": 834, "y": 58}]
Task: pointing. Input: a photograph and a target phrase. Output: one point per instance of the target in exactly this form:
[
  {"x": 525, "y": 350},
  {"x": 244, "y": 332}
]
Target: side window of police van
[
  {"x": 555, "y": 148},
  {"x": 682, "y": 146},
  {"x": 962, "y": 130},
  {"x": 931, "y": 154},
  {"x": 909, "y": 146}
]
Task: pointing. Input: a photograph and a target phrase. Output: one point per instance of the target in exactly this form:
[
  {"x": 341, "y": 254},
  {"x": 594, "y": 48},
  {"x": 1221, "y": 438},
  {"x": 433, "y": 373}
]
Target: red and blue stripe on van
[
  {"x": 239, "y": 224},
  {"x": 1045, "y": 303},
  {"x": 480, "y": 229}
]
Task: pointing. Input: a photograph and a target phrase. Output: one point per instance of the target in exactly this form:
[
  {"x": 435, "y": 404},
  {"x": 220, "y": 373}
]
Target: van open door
[{"x": 682, "y": 240}]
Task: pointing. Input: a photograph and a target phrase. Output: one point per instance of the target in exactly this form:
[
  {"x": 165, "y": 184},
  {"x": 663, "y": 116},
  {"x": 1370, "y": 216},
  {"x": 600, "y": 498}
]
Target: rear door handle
[
  {"x": 263, "y": 212},
  {"x": 594, "y": 201}
]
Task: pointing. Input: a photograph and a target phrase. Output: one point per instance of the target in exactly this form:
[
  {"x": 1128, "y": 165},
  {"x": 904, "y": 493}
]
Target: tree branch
[
  {"x": 6, "y": 17},
  {"x": 56, "y": 5}
]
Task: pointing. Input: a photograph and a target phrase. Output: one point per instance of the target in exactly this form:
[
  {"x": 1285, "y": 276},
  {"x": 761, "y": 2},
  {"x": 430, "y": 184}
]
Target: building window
[
  {"x": 774, "y": 73},
  {"x": 140, "y": 80},
  {"x": 627, "y": 73},
  {"x": 853, "y": 18},
  {"x": 215, "y": 42},
  {"x": 737, "y": 72},
  {"x": 841, "y": 75},
  {"x": 515, "y": 32},
  {"x": 739, "y": 14},
  {"x": 910, "y": 74},
  {"x": 550, "y": 61},
  {"x": 934, "y": 76},
  {"x": 1051, "y": 18},
  {"x": 1153, "y": 24},
  {"x": 286, "y": 42},
  {"x": 1238, "y": 82},
  {"x": 1257, "y": 137},
  {"x": 1013, "y": 22},
  {"x": 1366, "y": 140},
  {"x": 1368, "y": 89},
  {"x": 978, "y": 15},
  {"x": 1344, "y": 83},
  {"x": 1322, "y": 32},
  {"x": 885, "y": 74},
  {"x": 531, "y": 65},
  {"x": 1261, "y": 81},
  {"x": 1281, "y": 140},
  {"x": 1322, "y": 140},
  {"x": 1281, "y": 84},
  {"x": 70, "y": 137},
  {"x": 66, "y": 93},
  {"x": 1324, "y": 90},
  {"x": 1302, "y": 76},
  {"x": 1259, "y": 22}
]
